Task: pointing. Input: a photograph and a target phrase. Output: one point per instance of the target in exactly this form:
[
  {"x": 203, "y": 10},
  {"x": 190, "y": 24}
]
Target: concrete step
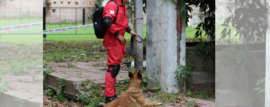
[
  {"x": 74, "y": 78},
  {"x": 21, "y": 91}
]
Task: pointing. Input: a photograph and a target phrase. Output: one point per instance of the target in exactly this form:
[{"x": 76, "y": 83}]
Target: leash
[
  {"x": 135, "y": 18},
  {"x": 136, "y": 36},
  {"x": 136, "y": 40}
]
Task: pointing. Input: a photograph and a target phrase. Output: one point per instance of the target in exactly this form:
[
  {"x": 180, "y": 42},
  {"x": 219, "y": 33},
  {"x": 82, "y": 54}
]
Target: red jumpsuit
[{"x": 115, "y": 50}]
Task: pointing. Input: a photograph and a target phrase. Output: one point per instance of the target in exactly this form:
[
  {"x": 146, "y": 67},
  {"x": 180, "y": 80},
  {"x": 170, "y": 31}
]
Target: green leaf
[
  {"x": 257, "y": 88},
  {"x": 260, "y": 81},
  {"x": 262, "y": 90}
]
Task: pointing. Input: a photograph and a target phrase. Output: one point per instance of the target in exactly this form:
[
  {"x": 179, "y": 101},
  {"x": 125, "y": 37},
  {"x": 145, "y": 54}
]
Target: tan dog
[{"x": 133, "y": 97}]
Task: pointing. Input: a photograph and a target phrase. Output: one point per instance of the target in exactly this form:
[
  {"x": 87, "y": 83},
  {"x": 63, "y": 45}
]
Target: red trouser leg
[
  {"x": 115, "y": 55},
  {"x": 109, "y": 85}
]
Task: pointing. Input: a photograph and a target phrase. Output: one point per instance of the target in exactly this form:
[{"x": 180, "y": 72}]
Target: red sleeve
[{"x": 110, "y": 10}]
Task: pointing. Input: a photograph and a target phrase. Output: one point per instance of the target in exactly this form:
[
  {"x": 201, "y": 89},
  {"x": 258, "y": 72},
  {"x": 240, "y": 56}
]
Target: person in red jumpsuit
[{"x": 114, "y": 43}]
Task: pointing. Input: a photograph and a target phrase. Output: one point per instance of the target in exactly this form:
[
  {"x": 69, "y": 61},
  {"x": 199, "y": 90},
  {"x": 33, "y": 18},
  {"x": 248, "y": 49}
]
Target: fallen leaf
[
  {"x": 195, "y": 105},
  {"x": 50, "y": 98},
  {"x": 182, "y": 95},
  {"x": 56, "y": 104},
  {"x": 183, "y": 102}
]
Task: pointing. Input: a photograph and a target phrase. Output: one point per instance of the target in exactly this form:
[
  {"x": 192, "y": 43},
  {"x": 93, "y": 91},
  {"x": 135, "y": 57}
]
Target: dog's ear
[
  {"x": 130, "y": 74},
  {"x": 139, "y": 75}
]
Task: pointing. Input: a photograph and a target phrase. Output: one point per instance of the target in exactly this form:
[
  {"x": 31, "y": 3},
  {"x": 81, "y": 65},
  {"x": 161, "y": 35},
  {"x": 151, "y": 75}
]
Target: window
[
  {"x": 61, "y": 2},
  {"x": 53, "y": 10},
  {"x": 69, "y": 2},
  {"x": 54, "y": 2},
  {"x": 76, "y": 3}
]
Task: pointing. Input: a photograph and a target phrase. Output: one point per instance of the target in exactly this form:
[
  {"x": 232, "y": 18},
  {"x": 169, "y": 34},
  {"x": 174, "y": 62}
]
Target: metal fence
[
  {"x": 19, "y": 12},
  {"x": 60, "y": 17}
]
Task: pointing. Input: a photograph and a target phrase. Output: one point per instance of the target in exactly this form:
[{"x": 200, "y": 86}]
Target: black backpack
[{"x": 99, "y": 28}]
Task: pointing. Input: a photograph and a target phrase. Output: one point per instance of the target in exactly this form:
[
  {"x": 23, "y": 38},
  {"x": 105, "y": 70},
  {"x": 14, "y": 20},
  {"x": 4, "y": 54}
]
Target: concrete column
[
  {"x": 138, "y": 47},
  {"x": 267, "y": 69},
  {"x": 161, "y": 44},
  {"x": 183, "y": 47},
  {"x": 152, "y": 42}
]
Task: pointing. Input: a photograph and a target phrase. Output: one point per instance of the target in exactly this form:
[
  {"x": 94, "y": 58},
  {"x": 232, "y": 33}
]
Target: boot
[{"x": 109, "y": 99}]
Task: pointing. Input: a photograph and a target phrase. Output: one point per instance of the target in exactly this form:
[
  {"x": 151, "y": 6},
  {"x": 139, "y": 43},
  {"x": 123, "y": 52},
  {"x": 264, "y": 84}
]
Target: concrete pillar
[
  {"x": 267, "y": 69},
  {"x": 138, "y": 47},
  {"x": 161, "y": 46},
  {"x": 183, "y": 47},
  {"x": 267, "y": 74}
]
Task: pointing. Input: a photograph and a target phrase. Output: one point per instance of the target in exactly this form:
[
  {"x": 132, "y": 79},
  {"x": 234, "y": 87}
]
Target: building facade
[
  {"x": 69, "y": 11},
  {"x": 20, "y": 8}
]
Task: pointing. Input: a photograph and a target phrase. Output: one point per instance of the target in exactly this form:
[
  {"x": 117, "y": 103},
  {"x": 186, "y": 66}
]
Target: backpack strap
[{"x": 117, "y": 10}]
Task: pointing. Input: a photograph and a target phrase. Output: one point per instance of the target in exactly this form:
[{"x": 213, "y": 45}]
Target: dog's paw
[{"x": 159, "y": 103}]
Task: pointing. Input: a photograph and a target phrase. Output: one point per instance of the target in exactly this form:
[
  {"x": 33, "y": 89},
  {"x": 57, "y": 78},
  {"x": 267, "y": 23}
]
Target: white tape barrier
[
  {"x": 21, "y": 27},
  {"x": 40, "y": 24},
  {"x": 76, "y": 27},
  {"x": 67, "y": 29}
]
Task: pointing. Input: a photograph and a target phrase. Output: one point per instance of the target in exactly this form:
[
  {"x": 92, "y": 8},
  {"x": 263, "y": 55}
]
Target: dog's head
[{"x": 135, "y": 77}]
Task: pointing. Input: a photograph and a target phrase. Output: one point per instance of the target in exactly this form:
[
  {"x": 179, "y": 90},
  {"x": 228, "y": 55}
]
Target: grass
[
  {"x": 28, "y": 36},
  {"x": 190, "y": 33},
  {"x": 78, "y": 35},
  {"x": 26, "y": 39},
  {"x": 18, "y": 21},
  {"x": 20, "y": 52},
  {"x": 88, "y": 34},
  {"x": 20, "y": 59}
]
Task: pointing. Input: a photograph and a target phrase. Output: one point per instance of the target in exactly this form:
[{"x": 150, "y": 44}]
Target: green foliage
[
  {"x": 145, "y": 80},
  {"x": 59, "y": 93},
  {"x": 207, "y": 24},
  {"x": 191, "y": 103},
  {"x": 47, "y": 3},
  {"x": 58, "y": 57},
  {"x": 188, "y": 93},
  {"x": 46, "y": 71},
  {"x": 206, "y": 51},
  {"x": 99, "y": 2},
  {"x": 249, "y": 17},
  {"x": 85, "y": 99},
  {"x": 260, "y": 86},
  {"x": 49, "y": 92},
  {"x": 3, "y": 87},
  {"x": 182, "y": 8},
  {"x": 131, "y": 5},
  {"x": 184, "y": 73}
]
